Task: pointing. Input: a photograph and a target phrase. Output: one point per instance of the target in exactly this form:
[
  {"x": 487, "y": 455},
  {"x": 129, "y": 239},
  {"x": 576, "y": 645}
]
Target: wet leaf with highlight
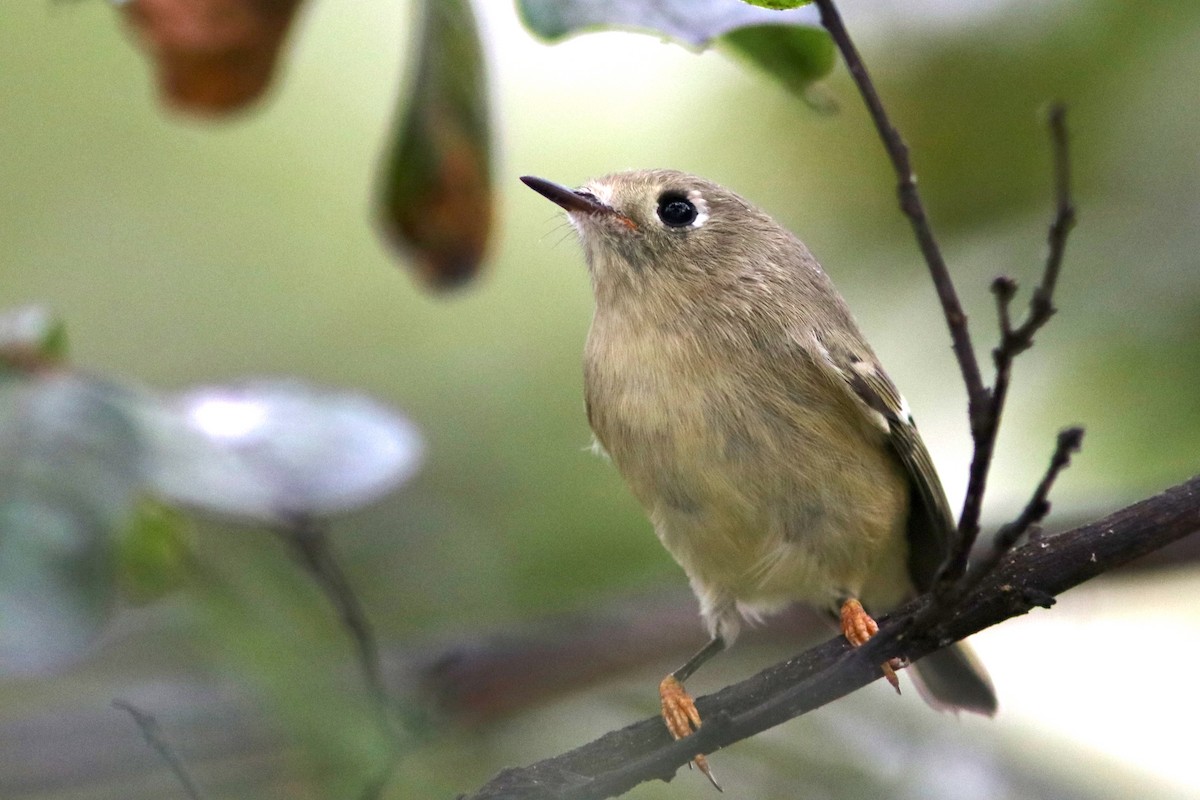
[
  {"x": 790, "y": 45},
  {"x": 272, "y": 451},
  {"x": 693, "y": 22}
]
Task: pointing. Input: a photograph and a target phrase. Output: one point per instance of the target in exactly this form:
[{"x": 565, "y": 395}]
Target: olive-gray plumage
[{"x": 732, "y": 389}]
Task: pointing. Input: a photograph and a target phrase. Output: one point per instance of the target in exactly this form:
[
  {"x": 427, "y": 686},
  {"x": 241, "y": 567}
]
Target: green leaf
[
  {"x": 790, "y": 45},
  {"x": 795, "y": 56},
  {"x": 436, "y": 195},
  {"x": 152, "y": 553},
  {"x": 692, "y": 22},
  {"x": 68, "y": 478},
  {"x": 778, "y": 4}
]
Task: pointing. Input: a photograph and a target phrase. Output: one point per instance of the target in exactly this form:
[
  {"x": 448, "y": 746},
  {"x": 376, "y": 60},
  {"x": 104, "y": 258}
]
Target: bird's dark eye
[{"x": 676, "y": 211}]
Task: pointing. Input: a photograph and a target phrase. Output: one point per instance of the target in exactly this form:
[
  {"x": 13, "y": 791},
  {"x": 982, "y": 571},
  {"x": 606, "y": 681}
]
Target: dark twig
[
  {"x": 1028, "y": 576},
  {"x": 148, "y": 725},
  {"x": 1069, "y": 442},
  {"x": 1014, "y": 341},
  {"x": 1005, "y": 289},
  {"x": 984, "y": 406},
  {"x": 310, "y": 542},
  {"x": 980, "y": 403},
  {"x": 913, "y": 208},
  {"x": 1041, "y": 305}
]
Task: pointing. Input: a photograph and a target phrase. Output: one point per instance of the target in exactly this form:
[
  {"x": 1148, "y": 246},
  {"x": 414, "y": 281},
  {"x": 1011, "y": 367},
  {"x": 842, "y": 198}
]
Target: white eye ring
[{"x": 701, "y": 205}]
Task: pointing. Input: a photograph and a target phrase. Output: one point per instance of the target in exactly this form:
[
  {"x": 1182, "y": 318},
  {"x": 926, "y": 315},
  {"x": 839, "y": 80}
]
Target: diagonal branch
[
  {"x": 148, "y": 725},
  {"x": 1069, "y": 442},
  {"x": 1013, "y": 342},
  {"x": 1041, "y": 305},
  {"x": 981, "y": 408},
  {"x": 1028, "y": 576},
  {"x": 985, "y": 406},
  {"x": 913, "y": 207}
]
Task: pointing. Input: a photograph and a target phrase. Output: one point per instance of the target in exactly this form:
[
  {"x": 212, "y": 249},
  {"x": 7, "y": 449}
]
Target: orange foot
[
  {"x": 858, "y": 627},
  {"x": 680, "y": 714}
]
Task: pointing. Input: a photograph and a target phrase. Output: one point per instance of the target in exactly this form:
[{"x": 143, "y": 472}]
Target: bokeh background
[{"x": 183, "y": 253}]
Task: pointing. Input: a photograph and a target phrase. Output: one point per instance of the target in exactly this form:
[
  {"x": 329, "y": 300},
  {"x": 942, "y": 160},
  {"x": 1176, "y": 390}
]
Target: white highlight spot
[
  {"x": 701, "y": 205},
  {"x": 228, "y": 419}
]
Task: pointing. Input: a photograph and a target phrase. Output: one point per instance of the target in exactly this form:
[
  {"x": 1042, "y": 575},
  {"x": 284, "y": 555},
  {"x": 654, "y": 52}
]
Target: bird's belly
[{"x": 757, "y": 495}]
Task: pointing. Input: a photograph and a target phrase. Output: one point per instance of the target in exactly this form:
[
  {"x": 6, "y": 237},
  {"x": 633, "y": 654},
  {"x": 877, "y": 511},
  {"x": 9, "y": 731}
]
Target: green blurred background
[{"x": 183, "y": 253}]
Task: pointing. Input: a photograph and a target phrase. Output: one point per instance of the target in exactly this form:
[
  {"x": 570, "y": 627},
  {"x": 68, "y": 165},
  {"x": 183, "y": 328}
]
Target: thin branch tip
[
  {"x": 1071, "y": 439},
  {"x": 1056, "y": 115},
  {"x": 1027, "y": 525},
  {"x": 1004, "y": 287},
  {"x": 910, "y": 201},
  {"x": 152, "y": 733}
]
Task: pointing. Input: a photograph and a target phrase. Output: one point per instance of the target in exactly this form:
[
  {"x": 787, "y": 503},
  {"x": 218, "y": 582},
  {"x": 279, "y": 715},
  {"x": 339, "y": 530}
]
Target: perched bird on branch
[{"x": 732, "y": 389}]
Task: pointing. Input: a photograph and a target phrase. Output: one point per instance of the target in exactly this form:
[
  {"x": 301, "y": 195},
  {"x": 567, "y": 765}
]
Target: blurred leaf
[
  {"x": 30, "y": 337},
  {"x": 693, "y": 22},
  {"x": 437, "y": 188},
  {"x": 213, "y": 56},
  {"x": 271, "y": 451},
  {"x": 794, "y": 55},
  {"x": 779, "y": 4},
  {"x": 152, "y": 553},
  {"x": 68, "y": 479},
  {"x": 789, "y": 45}
]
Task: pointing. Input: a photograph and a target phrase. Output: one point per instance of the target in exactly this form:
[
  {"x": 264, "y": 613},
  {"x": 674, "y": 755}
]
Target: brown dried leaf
[{"x": 212, "y": 56}]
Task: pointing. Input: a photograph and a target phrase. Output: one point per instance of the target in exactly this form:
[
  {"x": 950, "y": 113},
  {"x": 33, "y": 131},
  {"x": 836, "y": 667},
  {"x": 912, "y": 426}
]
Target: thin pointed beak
[{"x": 569, "y": 199}]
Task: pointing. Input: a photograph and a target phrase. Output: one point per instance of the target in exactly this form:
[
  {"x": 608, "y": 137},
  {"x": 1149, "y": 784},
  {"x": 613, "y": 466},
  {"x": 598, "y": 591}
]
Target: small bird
[{"x": 728, "y": 383}]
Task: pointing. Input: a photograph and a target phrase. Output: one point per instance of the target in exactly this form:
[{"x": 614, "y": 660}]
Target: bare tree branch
[
  {"x": 1013, "y": 342},
  {"x": 1028, "y": 576},
  {"x": 1069, "y": 442},
  {"x": 1041, "y": 305},
  {"x": 985, "y": 406},
  {"x": 913, "y": 208},
  {"x": 476, "y": 679},
  {"x": 981, "y": 408}
]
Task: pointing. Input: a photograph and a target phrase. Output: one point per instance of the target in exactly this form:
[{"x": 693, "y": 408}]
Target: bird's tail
[{"x": 952, "y": 679}]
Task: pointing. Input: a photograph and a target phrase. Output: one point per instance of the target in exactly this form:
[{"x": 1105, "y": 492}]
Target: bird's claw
[
  {"x": 858, "y": 627},
  {"x": 682, "y": 719}
]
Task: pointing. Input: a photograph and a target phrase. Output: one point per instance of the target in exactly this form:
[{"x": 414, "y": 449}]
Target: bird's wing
[{"x": 931, "y": 523}]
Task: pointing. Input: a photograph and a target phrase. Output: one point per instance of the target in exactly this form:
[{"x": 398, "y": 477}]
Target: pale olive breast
[{"x": 737, "y": 457}]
